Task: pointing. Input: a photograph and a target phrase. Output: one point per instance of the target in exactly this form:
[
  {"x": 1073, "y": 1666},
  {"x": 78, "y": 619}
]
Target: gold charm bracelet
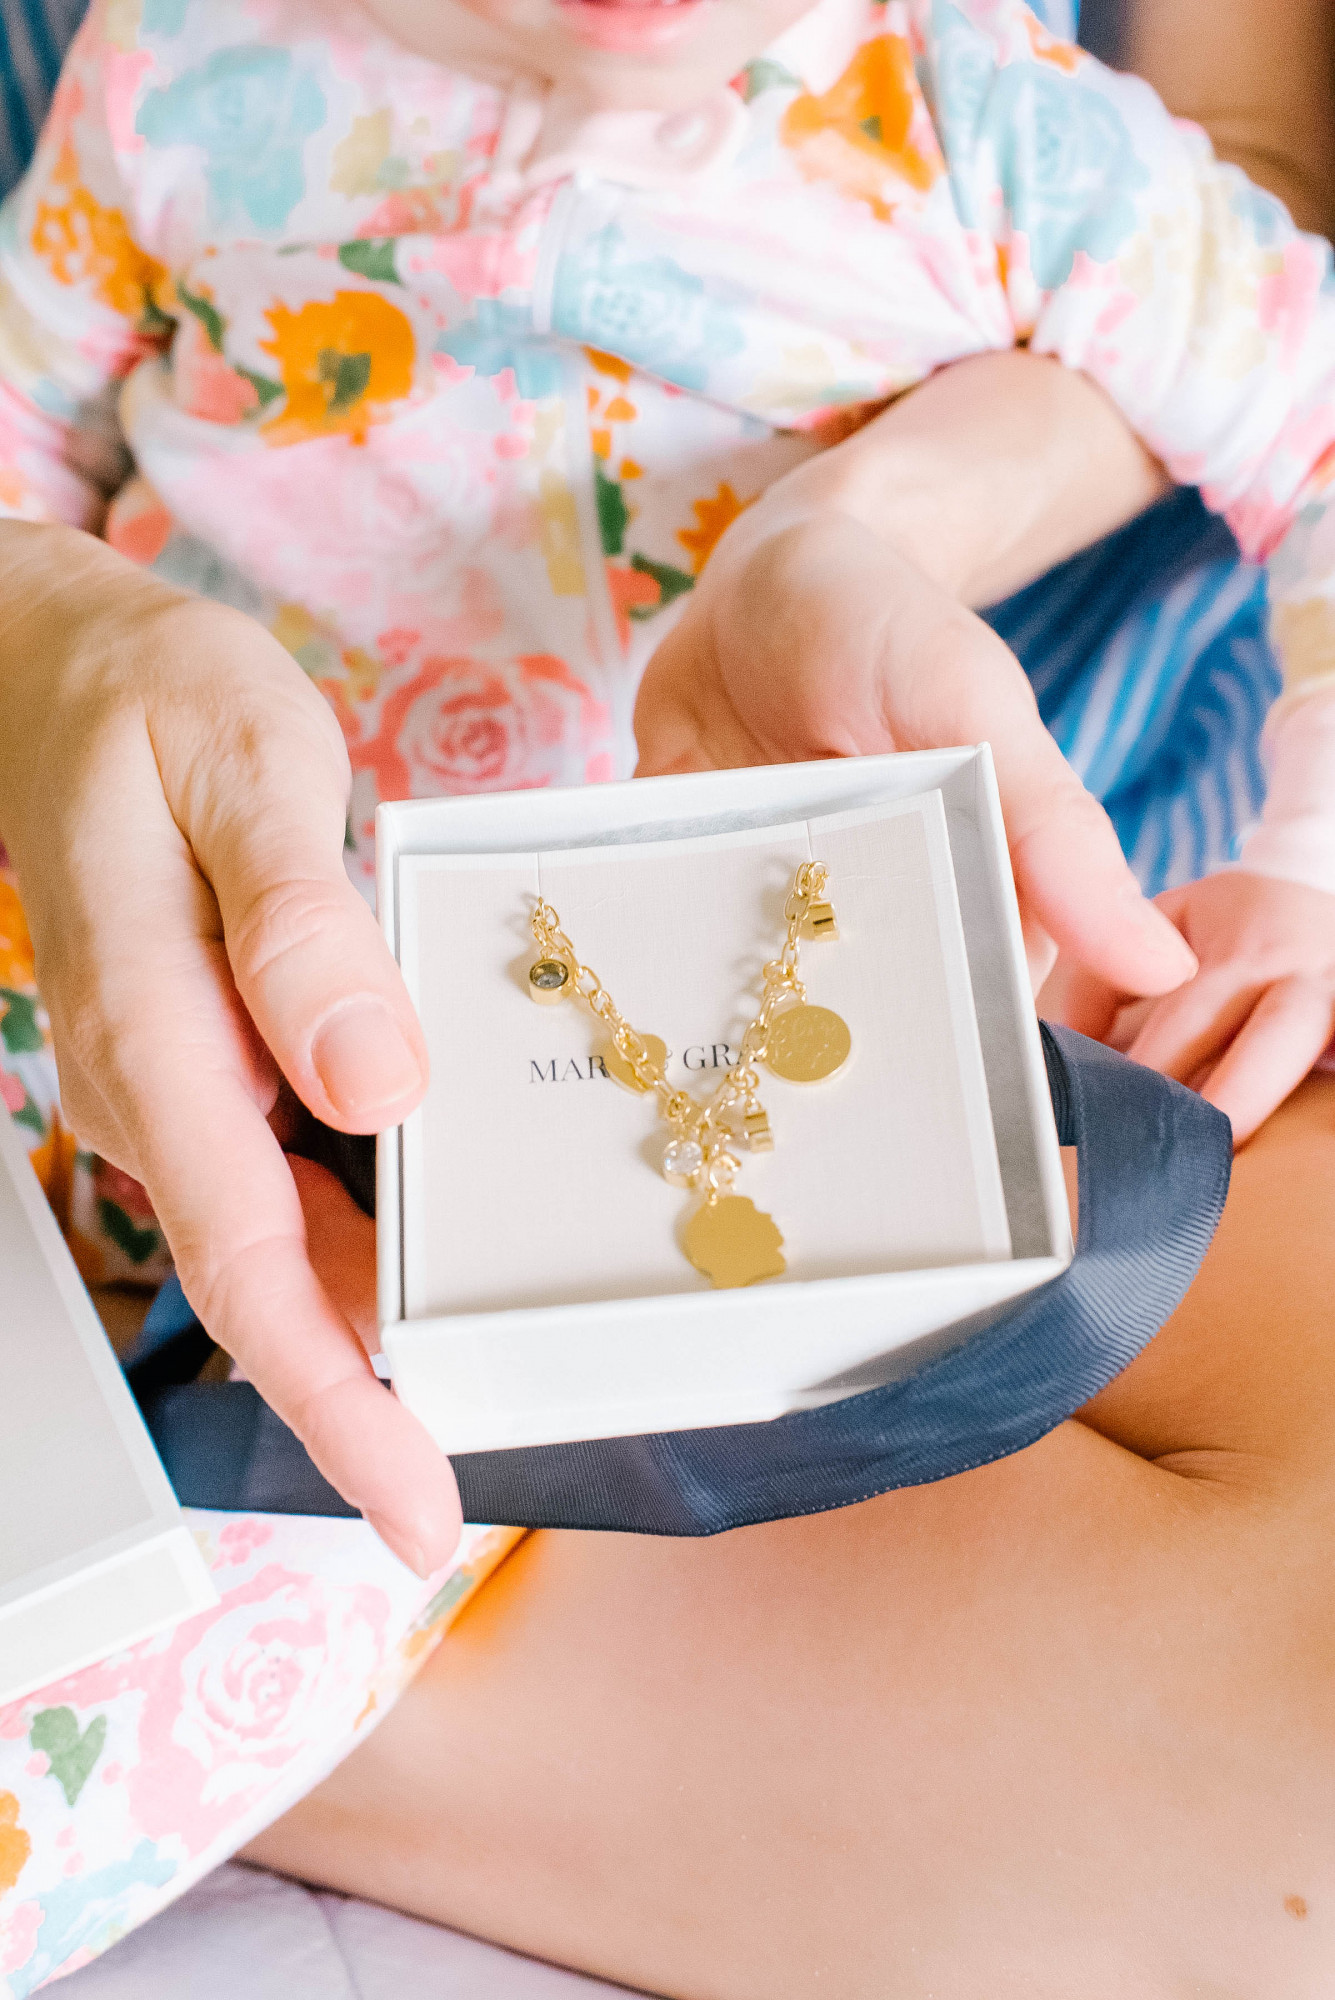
[{"x": 727, "y": 1237}]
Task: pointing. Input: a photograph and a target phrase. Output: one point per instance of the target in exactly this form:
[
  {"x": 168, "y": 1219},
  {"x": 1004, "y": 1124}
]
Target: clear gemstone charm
[
  {"x": 548, "y": 981},
  {"x": 682, "y": 1161}
]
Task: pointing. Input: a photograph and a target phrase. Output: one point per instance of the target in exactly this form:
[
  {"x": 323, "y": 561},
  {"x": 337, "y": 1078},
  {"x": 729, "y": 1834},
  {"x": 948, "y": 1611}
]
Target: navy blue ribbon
[{"x": 1154, "y": 1163}]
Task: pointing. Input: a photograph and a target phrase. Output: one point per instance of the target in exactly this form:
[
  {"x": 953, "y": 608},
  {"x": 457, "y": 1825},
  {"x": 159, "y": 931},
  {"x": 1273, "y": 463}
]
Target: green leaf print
[
  {"x": 153, "y": 321},
  {"x": 18, "y": 1026},
  {"x": 766, "y": 74},
  {"x": 371, "y": 257},
  {"x": 347, "y": 375},
  {"x": 872, "y": 127},
  {"x": 212, "y": 321},
  {"x": 30, "y": 1116},
  {"x": 445, "y": 1598},
  {"x": 265, "y": 388},
  {"x": 613, "y": 513},
  {"x": 55, "y": 1731},
  {"x": 138, "y": 1244},
  {"x": 672, "y": 583}
]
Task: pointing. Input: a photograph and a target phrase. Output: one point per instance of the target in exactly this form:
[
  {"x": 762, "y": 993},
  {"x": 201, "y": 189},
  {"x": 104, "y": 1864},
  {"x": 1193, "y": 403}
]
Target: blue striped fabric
[
  {"x": 1149, "y": 657},
  {"x": 34, "y": 35},
  {"x": 1060, "y": 16},
  {"x": 1148, "y": 653}
]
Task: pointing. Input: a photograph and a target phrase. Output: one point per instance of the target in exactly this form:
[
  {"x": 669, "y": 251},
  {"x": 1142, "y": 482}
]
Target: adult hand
[
  {"x": 174, "y": 792},
  {"x": 810, "y": 634}
]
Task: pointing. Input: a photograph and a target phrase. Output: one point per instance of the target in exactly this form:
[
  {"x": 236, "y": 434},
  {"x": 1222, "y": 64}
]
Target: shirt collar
[{"x": 547, "y": 136}]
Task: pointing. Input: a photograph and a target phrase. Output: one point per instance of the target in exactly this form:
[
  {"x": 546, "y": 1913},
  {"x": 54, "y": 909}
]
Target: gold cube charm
[
  {"x": 820, "y": 922},
  {"x": 755, "y": 1128},
  {"x": 549, "y": 981}
]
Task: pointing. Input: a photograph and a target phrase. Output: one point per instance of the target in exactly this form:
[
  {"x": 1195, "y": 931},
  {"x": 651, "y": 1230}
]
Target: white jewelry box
[
  {"x": 530, "y": 1290},
  {"x": 94, "y": 1553}
]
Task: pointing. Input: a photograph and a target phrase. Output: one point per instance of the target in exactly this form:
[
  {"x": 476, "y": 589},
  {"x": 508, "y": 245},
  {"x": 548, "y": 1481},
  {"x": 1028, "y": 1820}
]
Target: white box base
[
  {"x": 551, "y": 1373},
  {"x": 94, "y": 1553}
]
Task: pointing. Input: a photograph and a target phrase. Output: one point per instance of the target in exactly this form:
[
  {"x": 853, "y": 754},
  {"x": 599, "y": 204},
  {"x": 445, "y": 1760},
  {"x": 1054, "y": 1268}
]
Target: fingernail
[
  {"x": 1169, "y": 939},
  {"x": 407, "y": 1551},
  {"x": 363, "y": 1059},
  {"x": 1159, "y": 930}
]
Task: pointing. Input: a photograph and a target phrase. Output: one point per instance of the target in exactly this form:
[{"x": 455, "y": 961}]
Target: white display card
[{"x": 530, "y": 1178}]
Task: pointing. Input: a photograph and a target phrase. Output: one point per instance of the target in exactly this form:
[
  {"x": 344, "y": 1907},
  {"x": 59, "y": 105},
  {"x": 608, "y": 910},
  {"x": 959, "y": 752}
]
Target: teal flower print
[
  {"x": 1064, "y": 159},
  {"x": 956, "y": 85},
  {"x": 643, "y": 309},
  {"x": 251, "y": 111},
  {"x": 164, "y": 17},
  {"x": 1069, "y": 173},
  {"x": 1258, "y": 211},
  {"x": 499, "y": 336}
]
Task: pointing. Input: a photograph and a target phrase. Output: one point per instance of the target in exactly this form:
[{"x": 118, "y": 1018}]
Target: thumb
[
  {"x": 1072, "y": 876},
  {"x": 685, "y": 718},
  {"x": 306, "y": 953}
]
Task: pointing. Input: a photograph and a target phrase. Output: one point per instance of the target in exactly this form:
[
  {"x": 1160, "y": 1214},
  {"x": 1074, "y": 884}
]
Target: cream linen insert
[{"x": 530, "y": 1178}]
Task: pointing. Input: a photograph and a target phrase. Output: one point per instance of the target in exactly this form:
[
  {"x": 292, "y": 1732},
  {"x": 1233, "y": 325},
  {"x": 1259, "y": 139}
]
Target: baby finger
[{"x": 1284, "y": 1035}]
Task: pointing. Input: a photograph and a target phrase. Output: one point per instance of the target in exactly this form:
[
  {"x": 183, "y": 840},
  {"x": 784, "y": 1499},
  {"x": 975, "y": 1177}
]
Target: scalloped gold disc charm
[
  {"x": 620, "y": 1070},
  {"x": 807, "y": 1044},
  {"x": 734, "y": 1243}
]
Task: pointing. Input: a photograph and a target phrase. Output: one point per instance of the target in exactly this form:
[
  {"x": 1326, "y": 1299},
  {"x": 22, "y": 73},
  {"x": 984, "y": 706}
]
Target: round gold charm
[
  {"x": 620, "y": 1070},
  {"x": 807, "y": 1044},
  {"x": 734, "y": 1242}
]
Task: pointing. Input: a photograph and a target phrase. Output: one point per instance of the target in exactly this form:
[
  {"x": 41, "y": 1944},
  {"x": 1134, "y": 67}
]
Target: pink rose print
[
  {"x": 240, "y": 1539},
  {"x": 236, "y": 1696},
  {"x": 256, "y": 1693},
  {"x": 463, "y": 725},
  {"x": 138, "y": 526},
  {"x": 18, "y": 1937}
]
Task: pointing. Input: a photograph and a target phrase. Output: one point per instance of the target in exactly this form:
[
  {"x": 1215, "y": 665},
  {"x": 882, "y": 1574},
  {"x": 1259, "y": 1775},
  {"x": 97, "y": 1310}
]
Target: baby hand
[
  {"x": 810, "y": 635},
  {"x": 173, "y": 791},
  {"x": 1260, "y": 1011}
]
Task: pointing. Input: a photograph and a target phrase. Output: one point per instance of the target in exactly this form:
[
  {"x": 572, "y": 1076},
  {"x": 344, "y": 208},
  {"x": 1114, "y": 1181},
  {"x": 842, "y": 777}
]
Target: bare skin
[
  {"x": 1259, "y": 75},
  {"x": 1060, "y": 1728},
  {"x": 236, "y": 953}
]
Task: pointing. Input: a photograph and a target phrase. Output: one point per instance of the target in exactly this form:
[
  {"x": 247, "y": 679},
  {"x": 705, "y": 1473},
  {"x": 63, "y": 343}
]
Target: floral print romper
[{"x": 455, "y": 392}]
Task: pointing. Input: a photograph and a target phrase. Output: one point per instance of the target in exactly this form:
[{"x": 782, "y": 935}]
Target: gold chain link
[{"x": 705, "y": 1123}]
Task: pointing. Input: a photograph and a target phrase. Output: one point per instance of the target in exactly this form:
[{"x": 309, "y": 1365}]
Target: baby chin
[{"x": 653, "y": 55}]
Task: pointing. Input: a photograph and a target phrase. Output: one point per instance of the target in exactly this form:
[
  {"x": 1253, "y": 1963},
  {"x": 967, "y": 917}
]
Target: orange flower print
[
  {"x": 15, "y": 1846},
  {"x": 1051, "y": 48},
  {"x": 609, "y": 364},
  {"x": 859, "y": 134},
  {"x": 53, "y": 1164},
  {"x": 463, "y": 725},
  {"x": 82, "y": 243},
  {"x": 15, "y": 944},
  {"x": 712, "y": 517},
  {"x": 631, "y": 590},
  {"x": 344, "y": 363}
]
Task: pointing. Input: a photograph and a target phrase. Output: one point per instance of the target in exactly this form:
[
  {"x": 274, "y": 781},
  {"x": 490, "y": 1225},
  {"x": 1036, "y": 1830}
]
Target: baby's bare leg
[{"x": 1062, "y": 1727}]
